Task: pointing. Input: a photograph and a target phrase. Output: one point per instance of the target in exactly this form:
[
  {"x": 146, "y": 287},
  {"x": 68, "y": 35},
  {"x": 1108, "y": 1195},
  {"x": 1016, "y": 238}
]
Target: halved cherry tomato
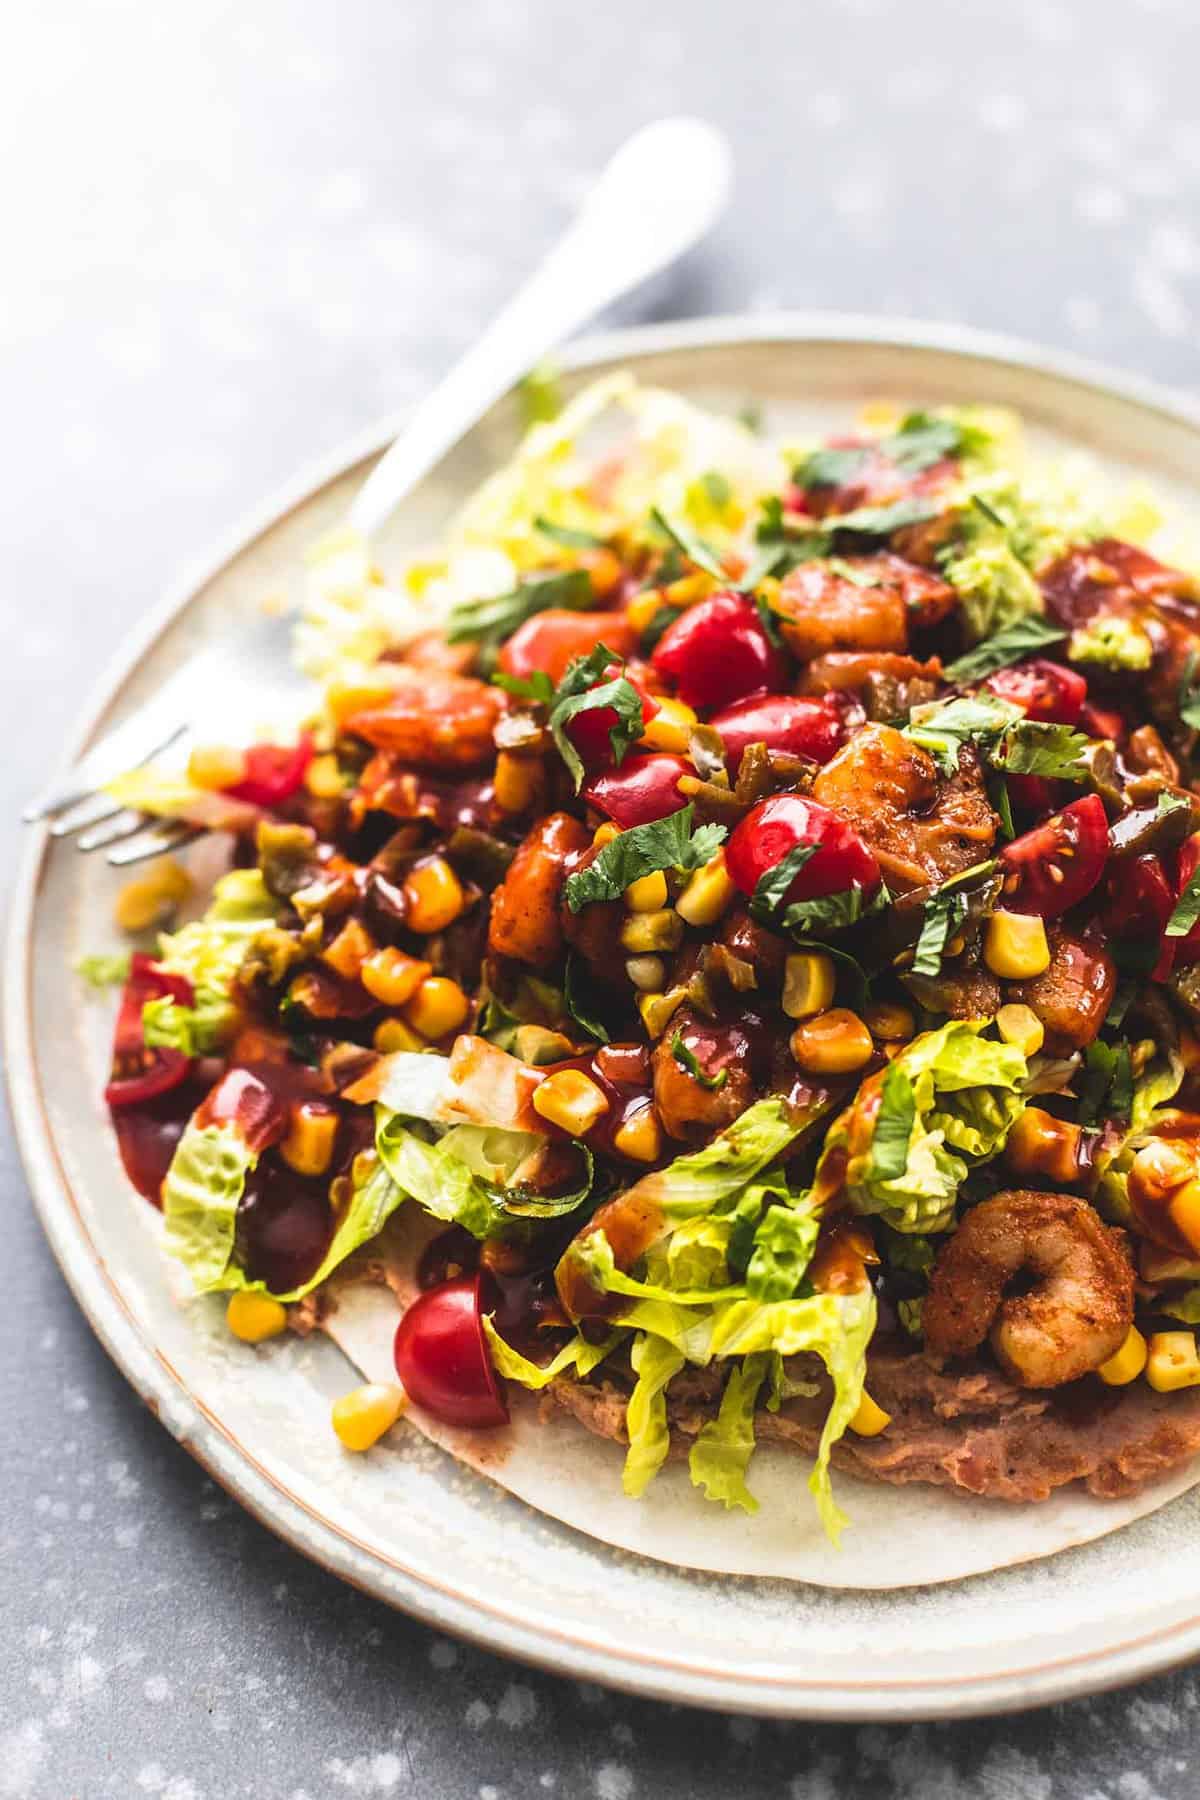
[
  {"x": 1045, "y": 691},
  {"x": 642, "y": 789},
  {"x": 554, "y": 638},
  {"x": 442, "y": 1357},
  {"x": 274, "y": 772},
  {"x": 813, "y": 728},
  {"x": 776, "y": 826},
  {"x": 140, "y": 1073},
  {"x": 589, "y": 731},
  {"x": 1053, "y": 866},
  {"x": 1138, "y": 902},
  {"x": 718, "y": 652}
]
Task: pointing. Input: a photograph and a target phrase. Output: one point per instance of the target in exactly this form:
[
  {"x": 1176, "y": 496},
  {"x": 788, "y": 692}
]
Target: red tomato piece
[
  {"x": 243, "y": 1100},
  {"x": 813, "y": 728},
  {"x": 1058, "y": 862},
  {"x": 589, "y": 731},
  {"x": 274, "y": 772},
  {"x": 642, "y": 789},
  {"x": 1030, "y": 794},
  {"x": 718, "y": 652},
  {"x": 1102, "y": 722},
  {"x": 140, "y": 1073},
  {"x": 777, "y": 826},
  {"x": 1045, "y": 691},
  {"x": 1138, "y": 901},
  {"x": 554, "y": 638},
  {"x": 442, "y": 1357}
]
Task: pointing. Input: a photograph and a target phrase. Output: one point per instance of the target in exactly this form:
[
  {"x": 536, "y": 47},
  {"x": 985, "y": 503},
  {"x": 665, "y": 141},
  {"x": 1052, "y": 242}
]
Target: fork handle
[{"x": 659, "y": 195}]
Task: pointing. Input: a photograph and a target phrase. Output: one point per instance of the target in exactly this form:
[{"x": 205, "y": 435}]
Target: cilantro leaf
[
  {"x": 567, "y": 535},
  {"x": 944, "y": 728},
  {"x": 881, "y": 521},
  {"x": 490, "y": 622},
  {"x": 1187, "y": 909},
  {"x": 771, "y": 889},
  {"x": 687, "y": 1059},
  {"x": 619, "y": 696},
  {"x": 1105, "y": 1088},
  {"x": 944, "y": 913},
  {"x": 578, "y": 1004},
  {"x": 893, "y": 1126},
  {"x": 1032, "y": 748},
  {"x": 834, "y": 912},
  {"x": 921, "y": 441},
  {"x": 691, "y": 546},
  {"x": 1003, "y": 648},
  {"x": 668, "y": 843},
  {"x": 537, "y": 686}
]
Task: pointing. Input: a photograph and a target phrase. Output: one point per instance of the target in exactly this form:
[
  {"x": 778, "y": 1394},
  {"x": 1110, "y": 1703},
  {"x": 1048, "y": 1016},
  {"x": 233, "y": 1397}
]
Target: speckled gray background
[{"x": 234, "y": 232}]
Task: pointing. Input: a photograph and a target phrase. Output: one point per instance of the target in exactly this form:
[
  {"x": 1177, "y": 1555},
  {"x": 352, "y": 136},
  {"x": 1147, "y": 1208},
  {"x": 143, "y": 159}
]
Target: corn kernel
[
  {"x": 393, "y": 1034},
  {"x": 1171, "y": 1361},
  {"x": 1158, "y": 1169},
  {"x": 808, "y": 983},
  {"x": 520, "y": 781},
  {"x": 359, "y": 693},
  {"x": 869, "y": 1420},
  {"x": 255, "y": 1317},
  {"x": 648, "y": 894},
  {"x": 307, "y": 1146},
  {"x": 656, "y": 1010},
  {"x": 323, "y": 778},
  {"x": 391, "y": 977},
  {"x": 216, "y": 766},
  {"x": 708, "y": 894},
  {"x": 604, "y": 567},
  {"x": 604, "y": 834},
  {"x": 349, "y": 950},
  {"x": 688, "y": 589},
  {"x": 1040, "y": 1144},
  {"x": 890, "y": 1021},
  {"x": 571, "y": 1100},
  {"x": 1184, "y": 1213},
  {"x": 647, "y": 973},
  {"x": 538, "y": 1045},
  {"x": 1016, "y": 946},
  {"x": 152, "y": 897},
  {"x": 643, "y": 934},
  {"x": 433, "y": 896},
  {"x": 642, "y": 608},
  {"x": 361, "y": 1417},
  {"x": 639, "y": 1137},
  {"x": 833, "y": 1043},
  {"x": 1020, "y": 1026},
  {"x": 670, "y": 728},
  {"x": 438, "y": 1007},
  {"x": 1127, "y": 1363}
]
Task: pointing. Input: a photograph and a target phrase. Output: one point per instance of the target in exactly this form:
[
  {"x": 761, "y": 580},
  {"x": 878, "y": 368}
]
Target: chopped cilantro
[
  {"x": 1187, "y": 909},
  {"x": 582, "y": 689},
  {"x": 772, "y": 887},
  {"x": 1003, "y": 648},
  {"x": 537, "y": 686},
  {"x": 944, "y": 913},
  {"x": 1032, "y": 748},
  {"x": 690, "y": 545},
  {"x": 668, "y": 843},
  {"x": 567, "y": 536},
  {"x": 491, "y": 622}
]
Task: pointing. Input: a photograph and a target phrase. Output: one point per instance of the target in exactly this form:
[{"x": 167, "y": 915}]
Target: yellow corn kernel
[
  {"x": 307, "y": 1146},
  {"x": 216, "y": 766},
  {"x": 833, "y": 1043},
  {"x": 642, "y": 608},
  {"x": 433, "y": 896},
  {"x": 1171, "y": 1361},
  {"x": 889, "y": 1021},
  {"x": 604, "y": 834},
  {"x": 1158, "y": 1169},
  {"x": 152, "y": 897},
  {"x": 656, "y": 1010},
  {"x": 439, "y": 1006},
  {"x": 519, "y": 781},
  {"x": 644, "y": 934},
  {"x": 1040, "y": 1144},
  {"x": 1127, "y": 1363},
  {"x": 708, "y": 894},
  {"x": 688, "y": 589},
  {"x": 647, "y": 973},
  {"x": 323, "y": 778},
  {"x": 639, "y": 1138},
  {"x": 571, "y": 1100},
  {"x": 879, "y": 415},
  {"x": 1015, "y": 946},
  {"x": 391, "y": 977},
  {"x": 808, "y": 983},
  {"x": 359, "y": 693},
  {"x": 1184, "y": 1213},
  {"x": 255, "y": 1317},
  {"x": 393, "y": 1035},
  {"x": 670, "y": 728},
  {"x": 349, "y": 950},
  {"x": 648, "y": 894},
  {"x": 1020, "y": 1026},
  {"x": 869, "y": 1420},
  {"x": 361, "y": 1417},
  {"x": 538, "y": 1045}
]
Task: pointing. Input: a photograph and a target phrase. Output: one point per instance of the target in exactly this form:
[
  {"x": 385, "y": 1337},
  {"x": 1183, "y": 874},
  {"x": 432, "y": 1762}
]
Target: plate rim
[{"x": 222, "y": 1456}]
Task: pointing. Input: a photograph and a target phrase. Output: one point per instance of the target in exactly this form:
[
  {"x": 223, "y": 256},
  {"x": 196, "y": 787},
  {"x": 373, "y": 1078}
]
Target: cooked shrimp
[
  {"x": 431, "y": 718},
  {"x": 1077, "y": 1304}
]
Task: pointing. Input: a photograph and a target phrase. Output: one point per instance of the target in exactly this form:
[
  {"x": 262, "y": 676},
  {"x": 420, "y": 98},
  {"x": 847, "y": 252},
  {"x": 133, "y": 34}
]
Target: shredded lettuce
[
  {"x": 433, "y": 1176},
  {"x": 103, "y": 971},
  {"x": 576, "y": 1356},
  {"x": 209, "y": 953},
  {"x": 655, "y": 1361},
  {"x": 721, "y": 1453}
]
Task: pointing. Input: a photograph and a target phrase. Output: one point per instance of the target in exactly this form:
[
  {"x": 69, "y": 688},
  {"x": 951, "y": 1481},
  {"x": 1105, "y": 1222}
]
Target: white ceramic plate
[{"x": 407, "y": 1523}]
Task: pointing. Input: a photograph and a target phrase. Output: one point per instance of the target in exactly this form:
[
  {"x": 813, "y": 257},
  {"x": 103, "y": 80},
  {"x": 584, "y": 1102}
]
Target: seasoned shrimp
[{"x": 1077, "y": 1304}]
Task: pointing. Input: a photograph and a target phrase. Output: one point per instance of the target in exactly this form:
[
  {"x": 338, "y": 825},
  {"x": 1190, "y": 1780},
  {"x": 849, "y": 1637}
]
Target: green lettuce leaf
[
  {"x": 655, "y": 1361},
  {"x": 668, "y": 843},
  {"x": 209, "y": 953},
  {"x": 104, "y": 971},
  {"x": 435, "y": 1177},
  {"x": 577, "y": 1356},
  {"x": 721, "y": 1453}
]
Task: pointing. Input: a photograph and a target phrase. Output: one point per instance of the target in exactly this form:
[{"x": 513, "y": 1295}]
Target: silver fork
[{"x": 659, "y": 195}]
